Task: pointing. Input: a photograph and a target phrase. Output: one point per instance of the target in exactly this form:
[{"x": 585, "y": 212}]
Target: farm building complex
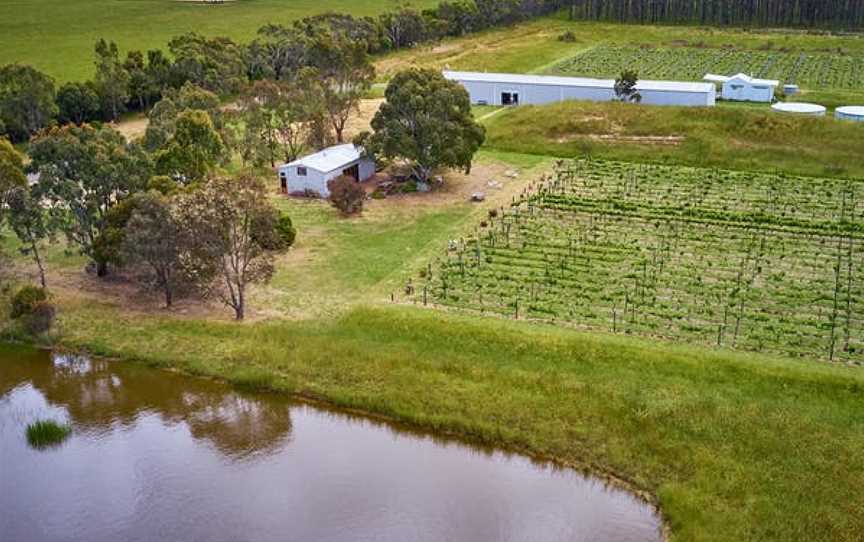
[
  {"x": 310, "y": 174},
  {"x": 515, "y": 89},
  {"x": 743, "y": 88}
]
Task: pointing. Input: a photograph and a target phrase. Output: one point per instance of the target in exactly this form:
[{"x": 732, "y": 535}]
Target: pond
[{"x": 155, "y": 455}]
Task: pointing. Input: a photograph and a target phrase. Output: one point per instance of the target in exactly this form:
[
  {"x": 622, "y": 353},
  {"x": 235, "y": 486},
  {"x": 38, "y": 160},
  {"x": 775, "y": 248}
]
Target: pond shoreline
[
  {"x": 443, "y": 436},
  {"x": 330, "y": 404}
]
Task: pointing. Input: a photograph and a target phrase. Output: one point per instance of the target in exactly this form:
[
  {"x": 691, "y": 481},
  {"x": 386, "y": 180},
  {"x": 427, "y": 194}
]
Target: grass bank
[
  {"x": 725, "y": 137},
  {"x": 735, "y": 447}
]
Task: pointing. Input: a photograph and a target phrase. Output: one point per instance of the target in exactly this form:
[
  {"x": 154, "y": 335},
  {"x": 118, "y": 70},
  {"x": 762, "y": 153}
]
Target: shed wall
[
  {"x": 316, "y": 181},
  {"x": 747, "y": 92}
]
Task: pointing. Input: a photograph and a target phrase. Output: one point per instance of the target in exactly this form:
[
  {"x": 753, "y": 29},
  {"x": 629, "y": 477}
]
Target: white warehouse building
[
  {"x": 310, "y": 174},
  {"x": 743, "y": 88},
  {"x": 515, "y": 89}
]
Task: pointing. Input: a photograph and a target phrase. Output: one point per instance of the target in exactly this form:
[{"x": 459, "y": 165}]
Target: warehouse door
[{"x": 510, "y": 98}]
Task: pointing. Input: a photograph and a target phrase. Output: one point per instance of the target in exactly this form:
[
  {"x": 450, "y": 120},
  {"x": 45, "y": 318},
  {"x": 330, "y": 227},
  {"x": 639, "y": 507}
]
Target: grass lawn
[
  {"x": 57, "y": 36},
  {"x": 733, "y": 137}
]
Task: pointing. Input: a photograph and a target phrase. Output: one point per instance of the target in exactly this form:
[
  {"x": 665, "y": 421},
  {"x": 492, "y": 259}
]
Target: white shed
[
  {"x": 515, "y": 89},
  {"x": 311, "y": 173},
  {"x": 743, "y": 88}
]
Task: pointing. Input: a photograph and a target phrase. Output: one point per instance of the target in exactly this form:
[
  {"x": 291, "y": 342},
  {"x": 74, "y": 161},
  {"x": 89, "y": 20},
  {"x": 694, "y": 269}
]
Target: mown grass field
[{"x": 57, "y": 36}]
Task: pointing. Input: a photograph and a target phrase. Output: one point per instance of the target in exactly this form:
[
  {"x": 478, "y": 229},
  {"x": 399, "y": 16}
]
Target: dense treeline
[
  {"x": 828, "y": 14},
  {"x": 31, "y": 101}
]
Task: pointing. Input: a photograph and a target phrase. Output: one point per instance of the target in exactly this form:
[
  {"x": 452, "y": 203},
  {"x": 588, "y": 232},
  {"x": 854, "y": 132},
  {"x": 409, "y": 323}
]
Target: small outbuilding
[
  {"x": 743, "y": 88},
  {"x": 850, "y": 112},
  {"x": 310, "y": 174},
  {"x": 515, "y": 89},
  {"x": 799, "y": 108}
]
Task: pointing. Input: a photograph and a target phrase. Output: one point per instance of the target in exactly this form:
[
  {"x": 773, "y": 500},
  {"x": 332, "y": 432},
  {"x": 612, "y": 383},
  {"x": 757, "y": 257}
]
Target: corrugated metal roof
[
  {"x": 330, "y": 158},
  {"x": 553, "y": 80}
]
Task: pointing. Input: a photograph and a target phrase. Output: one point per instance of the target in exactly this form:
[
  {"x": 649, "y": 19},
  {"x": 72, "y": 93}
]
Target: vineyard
[
  {"x": 758, "y": 262},
  {"x": 809, "y": 70}
]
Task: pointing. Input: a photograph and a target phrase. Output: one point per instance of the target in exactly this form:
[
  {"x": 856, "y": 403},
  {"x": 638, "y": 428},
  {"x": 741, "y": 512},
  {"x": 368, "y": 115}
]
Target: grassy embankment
[
  {"x": 729, "y": 138},
  {"x": 57, "y": 36}
]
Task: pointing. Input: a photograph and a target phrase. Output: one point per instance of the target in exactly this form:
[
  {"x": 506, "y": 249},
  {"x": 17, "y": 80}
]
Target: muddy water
[{"x": 158, "y": 456}]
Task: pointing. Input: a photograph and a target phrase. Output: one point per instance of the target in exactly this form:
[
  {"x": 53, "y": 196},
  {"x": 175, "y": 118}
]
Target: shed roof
[
  {"x": 741, "y": 77},
  {"x": 330, "y": 158},
  {"x": 553, "y": 80}
]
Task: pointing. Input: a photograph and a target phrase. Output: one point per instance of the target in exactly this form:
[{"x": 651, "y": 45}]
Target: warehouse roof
[
  {"x": 552, "y": 80},
  {"x": 330, "y": 158}
]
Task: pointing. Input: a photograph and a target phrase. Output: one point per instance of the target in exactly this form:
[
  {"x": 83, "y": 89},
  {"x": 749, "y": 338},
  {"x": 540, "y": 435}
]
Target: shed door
[{"x": 353, "y": 171}]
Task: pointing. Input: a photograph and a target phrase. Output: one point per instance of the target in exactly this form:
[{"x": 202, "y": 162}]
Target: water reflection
[
  {"x": 159, "y": 456},
  {"x": 100, "y": 396}
]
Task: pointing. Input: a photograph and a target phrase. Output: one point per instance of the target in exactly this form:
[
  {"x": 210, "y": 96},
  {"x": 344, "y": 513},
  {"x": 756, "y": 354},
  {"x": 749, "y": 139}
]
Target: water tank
[
  {"x": 800, "y": 108},
  {"x": 850, "y": 112}
]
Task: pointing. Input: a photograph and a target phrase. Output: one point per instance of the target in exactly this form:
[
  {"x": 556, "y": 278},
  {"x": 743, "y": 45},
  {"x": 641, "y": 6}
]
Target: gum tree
[{"x": 427, "y": 121}]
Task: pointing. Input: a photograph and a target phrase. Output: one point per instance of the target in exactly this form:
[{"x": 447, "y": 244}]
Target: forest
[{"x": 822, "y": 14}]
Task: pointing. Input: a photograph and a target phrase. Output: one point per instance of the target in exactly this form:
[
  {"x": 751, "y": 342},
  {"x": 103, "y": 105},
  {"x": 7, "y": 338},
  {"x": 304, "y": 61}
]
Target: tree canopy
[
  {"x": 84, "y": 172},
  {"x": 427, "y": 121},
  {"x": 27, "y": 101},
  {"x": 194, "y": 149}
]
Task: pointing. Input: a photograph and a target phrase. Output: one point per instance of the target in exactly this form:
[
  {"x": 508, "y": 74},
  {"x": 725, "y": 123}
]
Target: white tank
[
  {"x": 850, "y": 112},
  {"x": 800, "y": 108}
]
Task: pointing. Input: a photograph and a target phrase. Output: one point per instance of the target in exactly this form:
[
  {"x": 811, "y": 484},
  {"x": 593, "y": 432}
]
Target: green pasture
[{"x": 57, "y": 36}]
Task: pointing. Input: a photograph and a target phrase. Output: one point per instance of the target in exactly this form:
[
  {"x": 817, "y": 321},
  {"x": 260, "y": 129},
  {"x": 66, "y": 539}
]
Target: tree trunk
[
  {"x": 101, "y": 269},
  {"x": 240, "y": 307},
  {"x": 169, "y": 297},
  {"x": 39, "y": 264}
]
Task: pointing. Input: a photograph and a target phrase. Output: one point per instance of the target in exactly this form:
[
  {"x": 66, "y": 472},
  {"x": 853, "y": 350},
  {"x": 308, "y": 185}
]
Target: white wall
[
  {"x": 738, "y": 90},
  {"x": 490, "y": 93},
  {"x": 671, "y": 97}
]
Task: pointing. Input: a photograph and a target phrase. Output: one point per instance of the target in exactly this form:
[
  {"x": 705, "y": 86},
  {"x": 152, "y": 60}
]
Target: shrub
[
  {"x": 163, "y": 184},
  {"x": 41, "y": 318},
  {"x": 567, "y": 37},
  {"x": 346, "y": 194},
  {"x": 286, "y": 231},
  {"x": 25, "y": 301}
]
